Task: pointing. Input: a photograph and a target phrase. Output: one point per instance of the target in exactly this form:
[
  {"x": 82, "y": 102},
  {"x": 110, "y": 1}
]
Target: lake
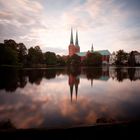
[{"x": 62, "y": 97}]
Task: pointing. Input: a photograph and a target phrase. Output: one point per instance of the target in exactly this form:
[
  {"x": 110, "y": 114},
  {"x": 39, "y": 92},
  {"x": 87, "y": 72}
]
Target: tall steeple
[
  {"x": 71, "y": 38},
  {"x": 92, "y": 48},
  {"x": 71, "y": 91},
  {"x": 76, "y": 41},
  {"x": 76, "y": 90}
]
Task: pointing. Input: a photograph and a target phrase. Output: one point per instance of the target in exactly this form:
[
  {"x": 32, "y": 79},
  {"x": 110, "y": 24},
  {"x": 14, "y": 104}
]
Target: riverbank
[{"x": 119, "y": 130}]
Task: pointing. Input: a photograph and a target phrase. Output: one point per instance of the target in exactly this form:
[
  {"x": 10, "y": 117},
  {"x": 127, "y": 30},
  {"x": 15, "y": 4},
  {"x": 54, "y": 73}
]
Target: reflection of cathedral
[{"x": 73, "y": 83}]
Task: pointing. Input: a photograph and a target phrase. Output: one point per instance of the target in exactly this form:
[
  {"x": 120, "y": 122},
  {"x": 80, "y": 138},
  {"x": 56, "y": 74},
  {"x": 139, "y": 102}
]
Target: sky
[{"x": 108, "y": 24}]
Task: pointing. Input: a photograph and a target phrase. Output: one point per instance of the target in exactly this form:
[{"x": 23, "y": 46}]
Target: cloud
[{"x": 48, "y": 23}]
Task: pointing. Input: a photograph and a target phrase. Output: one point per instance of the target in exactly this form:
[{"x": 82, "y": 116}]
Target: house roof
[{"x": 102, "y": 52}]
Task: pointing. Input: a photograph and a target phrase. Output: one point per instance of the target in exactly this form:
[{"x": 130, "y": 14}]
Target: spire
[
  {"x": 71, "y": 39},
  {"x": 71, "y": 91},
  {"x": 92, "y": 48},
  {"x": 91, "y": 82},
  {"x": 76, "y": 41},
  {"x": 76, "y": 90}
]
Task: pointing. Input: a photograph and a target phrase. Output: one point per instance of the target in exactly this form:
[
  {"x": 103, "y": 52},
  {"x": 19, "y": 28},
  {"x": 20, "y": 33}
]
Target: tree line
[
  {"x": 11, "y": 79},
  {"x": 122, "y": 58},
  {"x": 17, "y": 54}
]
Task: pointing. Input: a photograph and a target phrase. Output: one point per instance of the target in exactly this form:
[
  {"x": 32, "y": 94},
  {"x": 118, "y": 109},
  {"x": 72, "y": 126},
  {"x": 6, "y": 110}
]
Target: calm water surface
[{"x": 53, "y": 98}]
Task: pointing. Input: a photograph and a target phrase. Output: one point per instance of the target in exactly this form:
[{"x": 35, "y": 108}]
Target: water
[{"x": 55, "y": 98}]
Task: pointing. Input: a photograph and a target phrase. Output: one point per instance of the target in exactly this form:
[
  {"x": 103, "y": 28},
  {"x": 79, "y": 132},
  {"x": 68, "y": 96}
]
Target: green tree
[
  {"x": 121, "y": 58},
  {"x": 35, "y": 56},
  {"x": 60, "y": 61},
  {"x": 22, "y": 53},
  {"x": 74, "y": 60},
  {"x": 50, "y": 58},
  {"x": 8, "y": 53},
  {"x": 11, "y": 44},
  {"x": 93, "y": 59},
  {"x": 31, "y": 56},
  {"x": 39, "y": 54},
  {"x": 131, "y": 59}
]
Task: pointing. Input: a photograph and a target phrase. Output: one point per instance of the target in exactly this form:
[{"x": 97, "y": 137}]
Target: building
[
  {"x": 112, "y": 58},
  {"x": 137, "y": 57},
  {"x": 75, "y": 49}
]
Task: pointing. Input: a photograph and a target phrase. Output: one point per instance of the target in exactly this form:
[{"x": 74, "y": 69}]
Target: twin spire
[{"x": 71, "y": 39}]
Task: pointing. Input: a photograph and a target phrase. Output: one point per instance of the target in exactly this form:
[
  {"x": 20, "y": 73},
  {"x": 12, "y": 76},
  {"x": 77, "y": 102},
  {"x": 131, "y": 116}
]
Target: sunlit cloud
[{"x": 111, "y": 25}]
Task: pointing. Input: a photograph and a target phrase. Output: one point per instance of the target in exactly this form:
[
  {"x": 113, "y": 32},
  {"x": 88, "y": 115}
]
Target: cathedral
[{"x": 75, "y": 49}]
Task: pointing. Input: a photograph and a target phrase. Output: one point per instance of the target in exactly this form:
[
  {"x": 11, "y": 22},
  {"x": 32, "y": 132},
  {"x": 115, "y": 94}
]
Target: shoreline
[{"x": 92, "y": 131}]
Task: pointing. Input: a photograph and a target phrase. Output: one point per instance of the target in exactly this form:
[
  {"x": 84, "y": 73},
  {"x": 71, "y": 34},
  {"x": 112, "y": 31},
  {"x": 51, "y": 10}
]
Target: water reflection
[
  {"x": 67, "y": 97},
  {"x": 74, "y": 80},
  {"x": 11, "y": 79}
]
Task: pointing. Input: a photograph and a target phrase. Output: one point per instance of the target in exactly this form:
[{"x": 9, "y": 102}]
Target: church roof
[
  {"x": 102, "y": 52},
  {"x": 104, "y": 78},
  {"x": 81, "y": 53}
]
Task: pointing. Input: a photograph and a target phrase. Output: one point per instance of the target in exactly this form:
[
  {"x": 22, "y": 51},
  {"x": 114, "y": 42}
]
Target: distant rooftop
[
  {"x": 81, "y": 53},
  {"x": 102, "y": 52}
]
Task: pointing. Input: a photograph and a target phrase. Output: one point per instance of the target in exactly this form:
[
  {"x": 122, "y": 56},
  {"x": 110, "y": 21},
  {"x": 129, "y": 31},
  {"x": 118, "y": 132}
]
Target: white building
[
  {"x": 112, "y": 58},
  {"x": 137, "y": 58}
]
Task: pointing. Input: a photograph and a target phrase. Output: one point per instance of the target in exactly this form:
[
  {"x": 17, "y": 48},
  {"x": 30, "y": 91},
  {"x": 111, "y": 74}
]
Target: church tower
[
  {"x": 73, "y": 49},
  {"x": 71, "y": 46},
  {"x": 77, "y": 47},
  {"x": 92, "y": 49}
]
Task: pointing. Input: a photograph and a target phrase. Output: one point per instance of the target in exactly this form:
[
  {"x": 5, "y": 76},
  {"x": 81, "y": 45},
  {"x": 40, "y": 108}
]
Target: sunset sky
[{"x": 108, "y": 24}]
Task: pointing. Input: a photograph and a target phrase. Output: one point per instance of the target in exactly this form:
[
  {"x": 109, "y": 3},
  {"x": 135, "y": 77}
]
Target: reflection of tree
[
  {"x": 105, "y": 120},
  {"x": 131, "y": 73},
  {"x": 121, "y": 74},
  {"x": 12, "y": 78},
  {"x": 50, "y": 73},
  {"x": 22, "y": 79},
  {"x": 93, "y": 73},
  {"x": 74, "y": 70},
  {"x": 8, "y": 79},
  {"x": 96, "y": 73},
  {"x": 35, "y": 76}
]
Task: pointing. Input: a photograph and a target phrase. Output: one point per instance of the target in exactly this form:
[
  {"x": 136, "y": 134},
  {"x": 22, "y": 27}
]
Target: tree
[
  {"x": 35, "y": 55},
  {"x": 22, "y": 53},
  {"x": 121, "y": 58},
  {"x": 60, "y": 61},
  {"x": 74, "y": 60},
  {"x": 39, "y": 54},
  {"x": 131, "y": 59},
  {"x": 93, "y": 59},
  {"x": 50, "y": 58},
  {"x": 8, "y": 54},
  {"x": 11, "y": 44}
]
